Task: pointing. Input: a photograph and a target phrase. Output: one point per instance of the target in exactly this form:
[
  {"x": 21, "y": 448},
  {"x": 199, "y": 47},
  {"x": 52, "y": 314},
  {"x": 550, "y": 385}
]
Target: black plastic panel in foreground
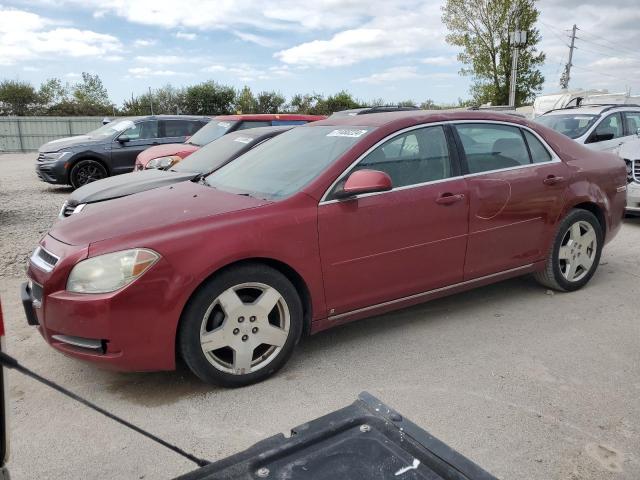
[{"x": 366, "y": 440}]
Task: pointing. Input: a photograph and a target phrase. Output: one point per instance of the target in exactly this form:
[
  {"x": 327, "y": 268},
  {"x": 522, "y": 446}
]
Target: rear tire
[
  {"x": 86, "y": 171},
  {"x": 575, "y": 253},
  {"x": 241, "y": 326}
]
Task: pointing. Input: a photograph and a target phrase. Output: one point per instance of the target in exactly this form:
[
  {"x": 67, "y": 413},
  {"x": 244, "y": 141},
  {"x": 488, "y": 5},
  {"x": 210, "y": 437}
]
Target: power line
[
  {"x": 603, "y": 74},
  {"x": 608, "y": 55},
  {"x": 613, "y": 46}
]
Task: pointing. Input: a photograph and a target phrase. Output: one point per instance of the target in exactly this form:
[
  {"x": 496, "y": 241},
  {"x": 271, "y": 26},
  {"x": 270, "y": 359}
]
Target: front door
[
  {"x": 142, "y": 135},
  {"x": 384, "y": 246},
  {"x": 608, "y": 134},
  {"x": 516, "y": 187}
]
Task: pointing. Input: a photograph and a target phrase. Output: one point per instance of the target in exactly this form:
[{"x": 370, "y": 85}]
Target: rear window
[
  {"x": 211, "y": 131},
  {"x": 180, "y": 128},
  {"x": 251, "y": 124}
]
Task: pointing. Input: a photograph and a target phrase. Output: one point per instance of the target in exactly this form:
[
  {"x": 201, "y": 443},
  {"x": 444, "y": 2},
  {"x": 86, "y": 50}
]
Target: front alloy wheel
[{"x": 241, "y": 325}]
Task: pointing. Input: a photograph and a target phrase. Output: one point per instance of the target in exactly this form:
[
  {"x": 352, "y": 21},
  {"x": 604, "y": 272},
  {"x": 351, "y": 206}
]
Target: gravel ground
[{"x": 527, "y": 384}]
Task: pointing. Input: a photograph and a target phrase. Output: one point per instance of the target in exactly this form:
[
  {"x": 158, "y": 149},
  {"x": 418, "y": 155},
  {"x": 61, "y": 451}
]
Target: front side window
[
  {"x": 283, "y": 165},
  {"x": 632, "y": 122},
  {"x": 539, "y": 154},
  {"x": 607, "y": 129},
  {"x": 569, "y": 124},
  {"x": 490, "y": 147},
  {"x": 143, "y": 130},
  {"x": 411, "y": 158}
]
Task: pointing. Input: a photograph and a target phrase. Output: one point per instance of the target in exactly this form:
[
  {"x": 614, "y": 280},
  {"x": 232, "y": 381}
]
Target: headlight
[
  {"x": 110, "y": 272},
  {"x": 163, "y": 163},
  {"x": 52, "y": 156}
]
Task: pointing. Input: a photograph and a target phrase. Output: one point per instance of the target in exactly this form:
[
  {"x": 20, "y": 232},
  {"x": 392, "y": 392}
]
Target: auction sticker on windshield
[
  {"x": 224, "y": 124},
  {"x": 243, "y": 139},
  {"x": 351, "y": 133}
]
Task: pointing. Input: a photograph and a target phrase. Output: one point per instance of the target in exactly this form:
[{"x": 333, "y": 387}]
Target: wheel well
[
  {"x": 89, "y": 157},
  {"x": 597, "y": 211},
  {"x": 293, "y": 276}
]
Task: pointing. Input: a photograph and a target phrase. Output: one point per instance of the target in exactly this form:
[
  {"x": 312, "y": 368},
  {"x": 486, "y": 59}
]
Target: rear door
[
  {"x": 516, "y": 185},
  {"x": 388, "y": 245},
  {"x": 141, "y": 136},
  {"x": 631, "y": 122}
]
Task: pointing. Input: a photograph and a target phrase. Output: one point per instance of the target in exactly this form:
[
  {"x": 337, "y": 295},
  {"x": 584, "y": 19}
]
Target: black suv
[{"x": 111, "y": 149}]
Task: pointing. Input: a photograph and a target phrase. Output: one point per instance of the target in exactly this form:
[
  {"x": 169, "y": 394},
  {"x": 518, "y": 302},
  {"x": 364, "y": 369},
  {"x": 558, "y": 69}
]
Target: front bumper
[
  {"x": 52, "y": 172},
  {"x": 633, "y": 198},
  {"x": 132, "y": 329}
]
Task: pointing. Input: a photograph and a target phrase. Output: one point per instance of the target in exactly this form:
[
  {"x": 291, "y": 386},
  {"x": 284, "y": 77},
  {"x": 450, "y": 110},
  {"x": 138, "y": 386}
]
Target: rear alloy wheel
[
  {"x": 241, "y": 326},
  {"x": 87, "y": 171},
  {"x": 575, "y": 254}
]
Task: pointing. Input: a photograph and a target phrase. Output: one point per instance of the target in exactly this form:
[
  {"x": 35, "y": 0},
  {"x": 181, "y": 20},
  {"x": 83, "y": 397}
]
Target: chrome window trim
[
  {"x": 39, "y": 263},
  {"x": 555, "y": 158}
]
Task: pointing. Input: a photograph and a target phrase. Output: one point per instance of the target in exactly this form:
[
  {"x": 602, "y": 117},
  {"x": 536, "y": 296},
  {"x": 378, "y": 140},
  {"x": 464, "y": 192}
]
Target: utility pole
[
  {"x": 151, "y": 100},
  {"x": 566, "y": 75},
  {"x": 518, "y": 38}
]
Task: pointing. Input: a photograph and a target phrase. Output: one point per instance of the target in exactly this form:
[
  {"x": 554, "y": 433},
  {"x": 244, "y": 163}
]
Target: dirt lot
[{"x": 527, "y": 384}]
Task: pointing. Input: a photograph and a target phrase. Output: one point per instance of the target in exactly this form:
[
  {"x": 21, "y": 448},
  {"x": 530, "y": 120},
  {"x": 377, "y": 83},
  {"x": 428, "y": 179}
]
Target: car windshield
[
  {"x": 282, "y": 166},
  {"x": 117, "y": 126},
  {"x": 215, "y": 154},
  {"x": 572, "y": 125},
  {"x": 210, "y": 132}
]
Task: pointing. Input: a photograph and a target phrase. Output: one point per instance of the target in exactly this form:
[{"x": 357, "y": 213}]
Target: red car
[
  {"x": 164, "y": 156},
  {"x": 327, "y": 223}
]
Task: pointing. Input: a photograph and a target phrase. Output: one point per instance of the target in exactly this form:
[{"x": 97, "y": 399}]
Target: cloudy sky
[{"x": 373, "y": 48}]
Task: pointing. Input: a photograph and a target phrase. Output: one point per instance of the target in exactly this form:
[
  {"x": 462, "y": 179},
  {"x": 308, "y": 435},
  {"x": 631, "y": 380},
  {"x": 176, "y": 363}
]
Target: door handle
[
  {"x": 552, "y": 180},
  {"x": 449, "y": 198}
]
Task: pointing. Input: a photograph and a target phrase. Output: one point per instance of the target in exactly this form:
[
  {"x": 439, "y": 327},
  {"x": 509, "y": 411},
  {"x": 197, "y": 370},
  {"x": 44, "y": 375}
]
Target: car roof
[
  {"x": 592, "y": 109},
  {"x": 416, "y": 117},
  {"x": 270, "y": 116}
]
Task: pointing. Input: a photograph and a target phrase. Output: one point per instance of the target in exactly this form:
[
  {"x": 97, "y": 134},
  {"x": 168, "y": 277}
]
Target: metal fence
[{"x": 24, "y": 134}]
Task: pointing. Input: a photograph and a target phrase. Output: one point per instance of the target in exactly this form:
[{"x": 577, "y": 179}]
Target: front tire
[
  {"x": 241, "y": 326},
  {"x": 575, "y": 253},
  {"x": 86, "y": 171}
]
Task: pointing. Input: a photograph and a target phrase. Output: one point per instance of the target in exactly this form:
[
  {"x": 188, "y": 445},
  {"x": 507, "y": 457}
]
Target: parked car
[
  {"x": 326, "y": 223},
  {"x": 111, "y": 149},
  {"x": 605, "y": 128},
  {"x": 204, "y": 161},
  {"x": 4, "y": 429},
  {"x": 163, "y": 156}
]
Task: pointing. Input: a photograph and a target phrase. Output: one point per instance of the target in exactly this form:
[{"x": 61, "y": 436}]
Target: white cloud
[
  {"x": 257, "y": 39},
  {"x": 440, "y": 61},
  {"x": 396, "y": 74},
  {"x": 395, "y": 30},
  {"x": 185, "y": 36},
  {"x": 29, "y": 68},
  {"x": 25, "y": 35},
  {"x": 143, "y": 42},
  {"x": 248, "y": 73},
  {"x": 113, "y": 58},
  {"x": 144, "y": 72},
  {"x": 160, "y": 59},
  {"x": 72, "y": 75}
]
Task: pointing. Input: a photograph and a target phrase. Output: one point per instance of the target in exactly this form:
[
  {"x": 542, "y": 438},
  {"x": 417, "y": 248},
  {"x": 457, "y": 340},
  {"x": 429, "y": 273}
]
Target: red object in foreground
[
  {"x": 274, "y": 245},
  {"x": 217, "y": 127}
]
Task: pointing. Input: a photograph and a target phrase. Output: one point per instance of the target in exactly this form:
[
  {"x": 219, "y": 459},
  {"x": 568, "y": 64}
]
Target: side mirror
[
  {"x": 638, "y": 132},
  {"x": 365, "y": 181},
  {"x": 124, "y": 138},
  {"x": 600, "y": 137}
]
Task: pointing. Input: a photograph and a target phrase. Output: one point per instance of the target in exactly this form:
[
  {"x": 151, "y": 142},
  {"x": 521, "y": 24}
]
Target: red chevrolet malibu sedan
[
  {"x": 327, "y": 223},
  {"x": 163, "y": 156}
]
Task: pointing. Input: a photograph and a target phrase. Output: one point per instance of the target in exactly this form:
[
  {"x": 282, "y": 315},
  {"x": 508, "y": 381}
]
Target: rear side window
[
  {"x": 180, "y": 128},
  {"x": 539, "y": 154},
  {"x": 632, "y": 122},
  {"x": 414, "y": 157},
  {"x": 251, "y": 124},
  {"x": 490, "y": 147}
]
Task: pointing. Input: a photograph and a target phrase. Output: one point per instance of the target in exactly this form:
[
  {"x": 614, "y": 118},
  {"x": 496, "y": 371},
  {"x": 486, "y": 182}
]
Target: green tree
[
  {"x": 407, "y": 103},
  {"x": 309, "y": 104},
  {"x": 245, "y": 101},
  {"x": 91, "y": 96},
  {"x": 18, "y": 98},
  {"x": 269, "y": 102},
  {"x": 209, "y": 98},
  {"x": 481, "y": 28},
  {"x": 53, "y": 93},
  {"x": 341, "y": 101}
]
